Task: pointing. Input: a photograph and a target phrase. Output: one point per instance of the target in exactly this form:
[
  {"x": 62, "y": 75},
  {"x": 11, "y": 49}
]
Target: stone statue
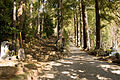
[{"x": 21, "y": 54}]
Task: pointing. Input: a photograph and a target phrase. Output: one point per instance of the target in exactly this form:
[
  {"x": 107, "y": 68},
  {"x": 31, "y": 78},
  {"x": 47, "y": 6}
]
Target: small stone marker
[{"x": 21, "y": 54}]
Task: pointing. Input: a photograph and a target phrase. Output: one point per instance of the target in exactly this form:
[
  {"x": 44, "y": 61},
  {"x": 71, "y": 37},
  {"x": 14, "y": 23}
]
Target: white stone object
[
  {"x": 112, "y": 54},
  {"x": 115, "y": 49},
  {"x": 4, "y": 48}
]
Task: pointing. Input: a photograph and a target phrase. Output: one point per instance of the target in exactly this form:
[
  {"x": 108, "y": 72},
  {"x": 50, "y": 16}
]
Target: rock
[
  {"x": 4, "y": 49},
  {"x": 21, "y": 54}
]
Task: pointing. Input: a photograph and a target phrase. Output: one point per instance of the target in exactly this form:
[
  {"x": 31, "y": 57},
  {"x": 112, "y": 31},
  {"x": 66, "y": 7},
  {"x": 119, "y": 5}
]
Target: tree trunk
[
  {"x": 61, "y": 22},
  {"x": 20, "y": 14},
  {"x": 97, "y": 24},
  {"x": 39, "y": 17},
  {"x": 14, "y": 23},
  {"x": 77, "y": 28},
  {"x": 58, "y": 25},
  {"x": 81, "y": 31},
  {"x": 21, "y": 17},
  {"x": 81, "y": 25},
  {"x": 58, "y": 19},
  {"x": 31, "y": 11},
  {"x": 85, "y": 27},
  {"x": 14, "y": 16},
  {"x": 42, "y": 23}
]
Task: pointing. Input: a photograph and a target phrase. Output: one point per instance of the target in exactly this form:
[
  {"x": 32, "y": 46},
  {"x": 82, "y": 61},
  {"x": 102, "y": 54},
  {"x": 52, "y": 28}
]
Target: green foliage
[
  {"x": 108, "y": 9},
  {"x": 117, "y": 55},
  {"x": 108, "y": 12},
  {"x": 6, "y": 28},
  {"x": 48, "y": 25},
  {"x": 66, "y": 36}
]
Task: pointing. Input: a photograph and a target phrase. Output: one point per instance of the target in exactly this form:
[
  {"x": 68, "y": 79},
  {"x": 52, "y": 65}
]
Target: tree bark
[
  {"x": 21, "y": 17},
  {"x": 14, "y": 23},
  {"x": 85, "y": 27},
  {"x": 14, "y": 15},
  {"x": 31, "y": 11},
  {"x": 81, "y": 31},
  {"x": 61, "y": 22},
  {"x": 97, "y": 24},
  {"x": 21, "y": 14},
  {"x": 43, "y": 16},
  {"x": 58, "y": 19},
  {"x": 39, "y": 17},
  {"x": 81, "y": 25},
  {"x": 77, "y": 28},
  {"x": 88, "y": 37}
]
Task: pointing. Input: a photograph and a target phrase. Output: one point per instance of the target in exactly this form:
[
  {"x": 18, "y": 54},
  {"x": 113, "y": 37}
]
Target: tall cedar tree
[
  {"x": 31, "y": 13},
  {"x": 85, "y": 26},
  {"x": 81, "y": 25},
  {"x": 39, "y": 30},
  {"x": 97, "y": 24},
  {"x": 75, "y": 27}
]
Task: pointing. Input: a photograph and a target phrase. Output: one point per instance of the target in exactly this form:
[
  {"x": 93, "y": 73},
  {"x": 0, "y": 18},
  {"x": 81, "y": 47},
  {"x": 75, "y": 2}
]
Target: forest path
[{"x": 79, "y": 66}]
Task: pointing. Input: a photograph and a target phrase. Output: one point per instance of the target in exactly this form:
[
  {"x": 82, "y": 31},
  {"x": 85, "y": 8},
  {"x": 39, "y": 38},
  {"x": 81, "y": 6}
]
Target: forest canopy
[{"x": 89, "y": 22}]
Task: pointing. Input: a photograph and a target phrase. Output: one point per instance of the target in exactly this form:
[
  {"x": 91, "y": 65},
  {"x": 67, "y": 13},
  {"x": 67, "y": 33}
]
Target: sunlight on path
[{"x": 79, "y": 66}]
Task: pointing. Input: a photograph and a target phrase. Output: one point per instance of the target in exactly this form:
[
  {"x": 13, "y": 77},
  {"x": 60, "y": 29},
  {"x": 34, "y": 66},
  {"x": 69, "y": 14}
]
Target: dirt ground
[
  {"x": 80, "y": 66},
  {"x": 77, "y": 66}
]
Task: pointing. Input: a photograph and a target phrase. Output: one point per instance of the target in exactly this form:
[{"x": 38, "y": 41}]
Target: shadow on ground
[{"x": 79, "y": 66}]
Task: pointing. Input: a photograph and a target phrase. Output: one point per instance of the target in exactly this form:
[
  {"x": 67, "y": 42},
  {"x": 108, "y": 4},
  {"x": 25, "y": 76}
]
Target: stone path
[{"x": 79, "y": 66}]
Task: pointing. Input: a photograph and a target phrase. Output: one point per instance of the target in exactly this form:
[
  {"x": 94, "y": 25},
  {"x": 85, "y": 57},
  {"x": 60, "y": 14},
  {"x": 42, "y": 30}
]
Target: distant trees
[
  {"x": 81, "y": 23},
  {"x": 89, "y": 21},
  {"x": 99, "y": 16},
  {"x": 76, "y": 26}
]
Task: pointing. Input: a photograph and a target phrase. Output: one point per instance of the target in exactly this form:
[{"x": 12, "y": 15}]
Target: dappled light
[
  {"x": 59, "y": 39},
  {"x": 55, "y": 64},
  {"x": 81, "y": 71},
  {"x": 79, "y": 66},
  {"x": 116, "y": 71},
  {"x": 65, "y": 72},
  {"x": 49, "y": 76},
  {"x": 66, "y": 61},
  {"x": 102, "y": 78},
  {"x": 7, "y": 63}
]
